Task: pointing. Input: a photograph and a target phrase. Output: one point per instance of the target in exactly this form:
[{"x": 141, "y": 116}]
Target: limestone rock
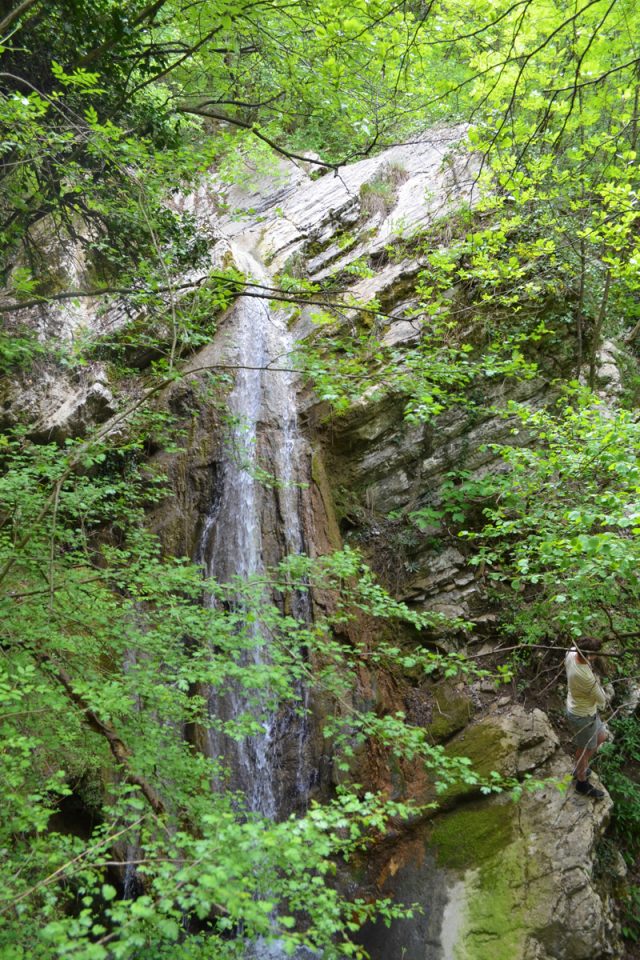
[
  {"x": 498, "y": 879},
  {"x": 509, "y": 744},
  {"x": 58, "y": 405},
  {"x": 452, "y": 709},
  {"x": 392, "y": 466},
  {"x": 608, "y": 373},
  {"x": 282, "y": 211}
]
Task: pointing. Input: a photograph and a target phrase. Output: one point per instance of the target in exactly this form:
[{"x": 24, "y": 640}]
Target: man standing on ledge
[{"x": 584, "y": 696}]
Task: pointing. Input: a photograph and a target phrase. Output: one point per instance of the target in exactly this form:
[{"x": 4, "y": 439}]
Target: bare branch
[
  {"x": 244, "y": 288},
  {"x": 596, "y": 80},
  {"x": 234, "y": 121}
]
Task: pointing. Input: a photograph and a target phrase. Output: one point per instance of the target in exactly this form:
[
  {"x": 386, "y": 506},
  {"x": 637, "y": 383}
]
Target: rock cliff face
[
  {"x": 493, "y": 879},
  {"x": 497, "y": 879}
]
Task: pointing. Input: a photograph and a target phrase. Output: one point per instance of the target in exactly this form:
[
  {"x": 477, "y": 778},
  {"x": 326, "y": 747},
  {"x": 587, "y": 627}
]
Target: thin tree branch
[
  {"x": 257, "y": 133},
  {"x": 148, "y": 13},
  {"x": 523, "y": 647},
  {"x": 595, "y": 80},
  {"x": 117, "y": 746},
  {"x": 14, "y": 14},
  {"x": 245, "y": 289},
  {"x": 100, "y": 292}
]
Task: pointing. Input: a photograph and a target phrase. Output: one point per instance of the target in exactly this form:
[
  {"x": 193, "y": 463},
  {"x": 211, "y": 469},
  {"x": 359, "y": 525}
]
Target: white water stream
[{"x": 262, "y": 409}]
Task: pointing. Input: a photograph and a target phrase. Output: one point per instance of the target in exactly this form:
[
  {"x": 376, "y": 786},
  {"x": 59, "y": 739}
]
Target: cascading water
[{"x": 262, "y": 411}]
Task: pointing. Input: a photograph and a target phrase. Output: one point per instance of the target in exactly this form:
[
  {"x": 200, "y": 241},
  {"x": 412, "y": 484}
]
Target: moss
[
  {"x": 496, "y": 905},
  {"x": 487, "y": 746},
  {"x": 379, "y": 195},
  {"x": 294, "y": 266},
  {"x": 451, "y": 712},
  {"x": 497, "y": 915},
  {"x": 493, "y": 914},
  {"x": 317, "y": 469},
  {"x": 472, "y": 834},
  {"x": 320, "y": 479}
]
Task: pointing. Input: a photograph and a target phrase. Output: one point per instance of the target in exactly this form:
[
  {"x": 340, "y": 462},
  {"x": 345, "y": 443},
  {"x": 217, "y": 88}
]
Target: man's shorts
[{"x": 585, "y": 730}]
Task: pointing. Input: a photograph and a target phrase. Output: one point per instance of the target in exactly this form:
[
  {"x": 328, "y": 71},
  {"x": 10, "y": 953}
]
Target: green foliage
[
  {"x": 18, "y": 349},
  {"x": 620, "y": 762},
  {"x": 378, "y": 196},
  {"x": 436, "y": 373},
  {"x": 559, "y": 524},
  {"x": 106, "y": 646},
  {"x": 97, "y": 679},
  {"x": 99, "y": 99}
]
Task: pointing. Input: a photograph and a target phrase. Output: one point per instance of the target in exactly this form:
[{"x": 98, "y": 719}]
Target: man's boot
[{"x": 588, "y": 790}]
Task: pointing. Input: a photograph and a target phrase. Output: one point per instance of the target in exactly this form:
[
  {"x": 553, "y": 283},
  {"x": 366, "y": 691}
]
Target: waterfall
[{"x": 262, "y": 415}]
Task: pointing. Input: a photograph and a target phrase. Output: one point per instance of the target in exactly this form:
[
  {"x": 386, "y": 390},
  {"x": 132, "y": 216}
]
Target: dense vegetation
[{"x": 106, "y": 108}]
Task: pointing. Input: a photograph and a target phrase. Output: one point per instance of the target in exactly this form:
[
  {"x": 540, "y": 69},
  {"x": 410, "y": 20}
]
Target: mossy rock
[
  {"x": 320, "y": 479},
  {"x": 451, "y": 711},
  {"x": 491, "y": 910},
  {"x": 488, "y": 746},
  {"x": 498, "y": 915},
  {"x": 472, "y": 834}
]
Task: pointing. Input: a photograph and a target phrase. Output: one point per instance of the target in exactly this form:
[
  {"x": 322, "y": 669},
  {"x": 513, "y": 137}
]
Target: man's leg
[
  {"x": 582, "y": 761},
  {"x": 583, "y": 757},
  {"x": 602, "y": 736}
]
